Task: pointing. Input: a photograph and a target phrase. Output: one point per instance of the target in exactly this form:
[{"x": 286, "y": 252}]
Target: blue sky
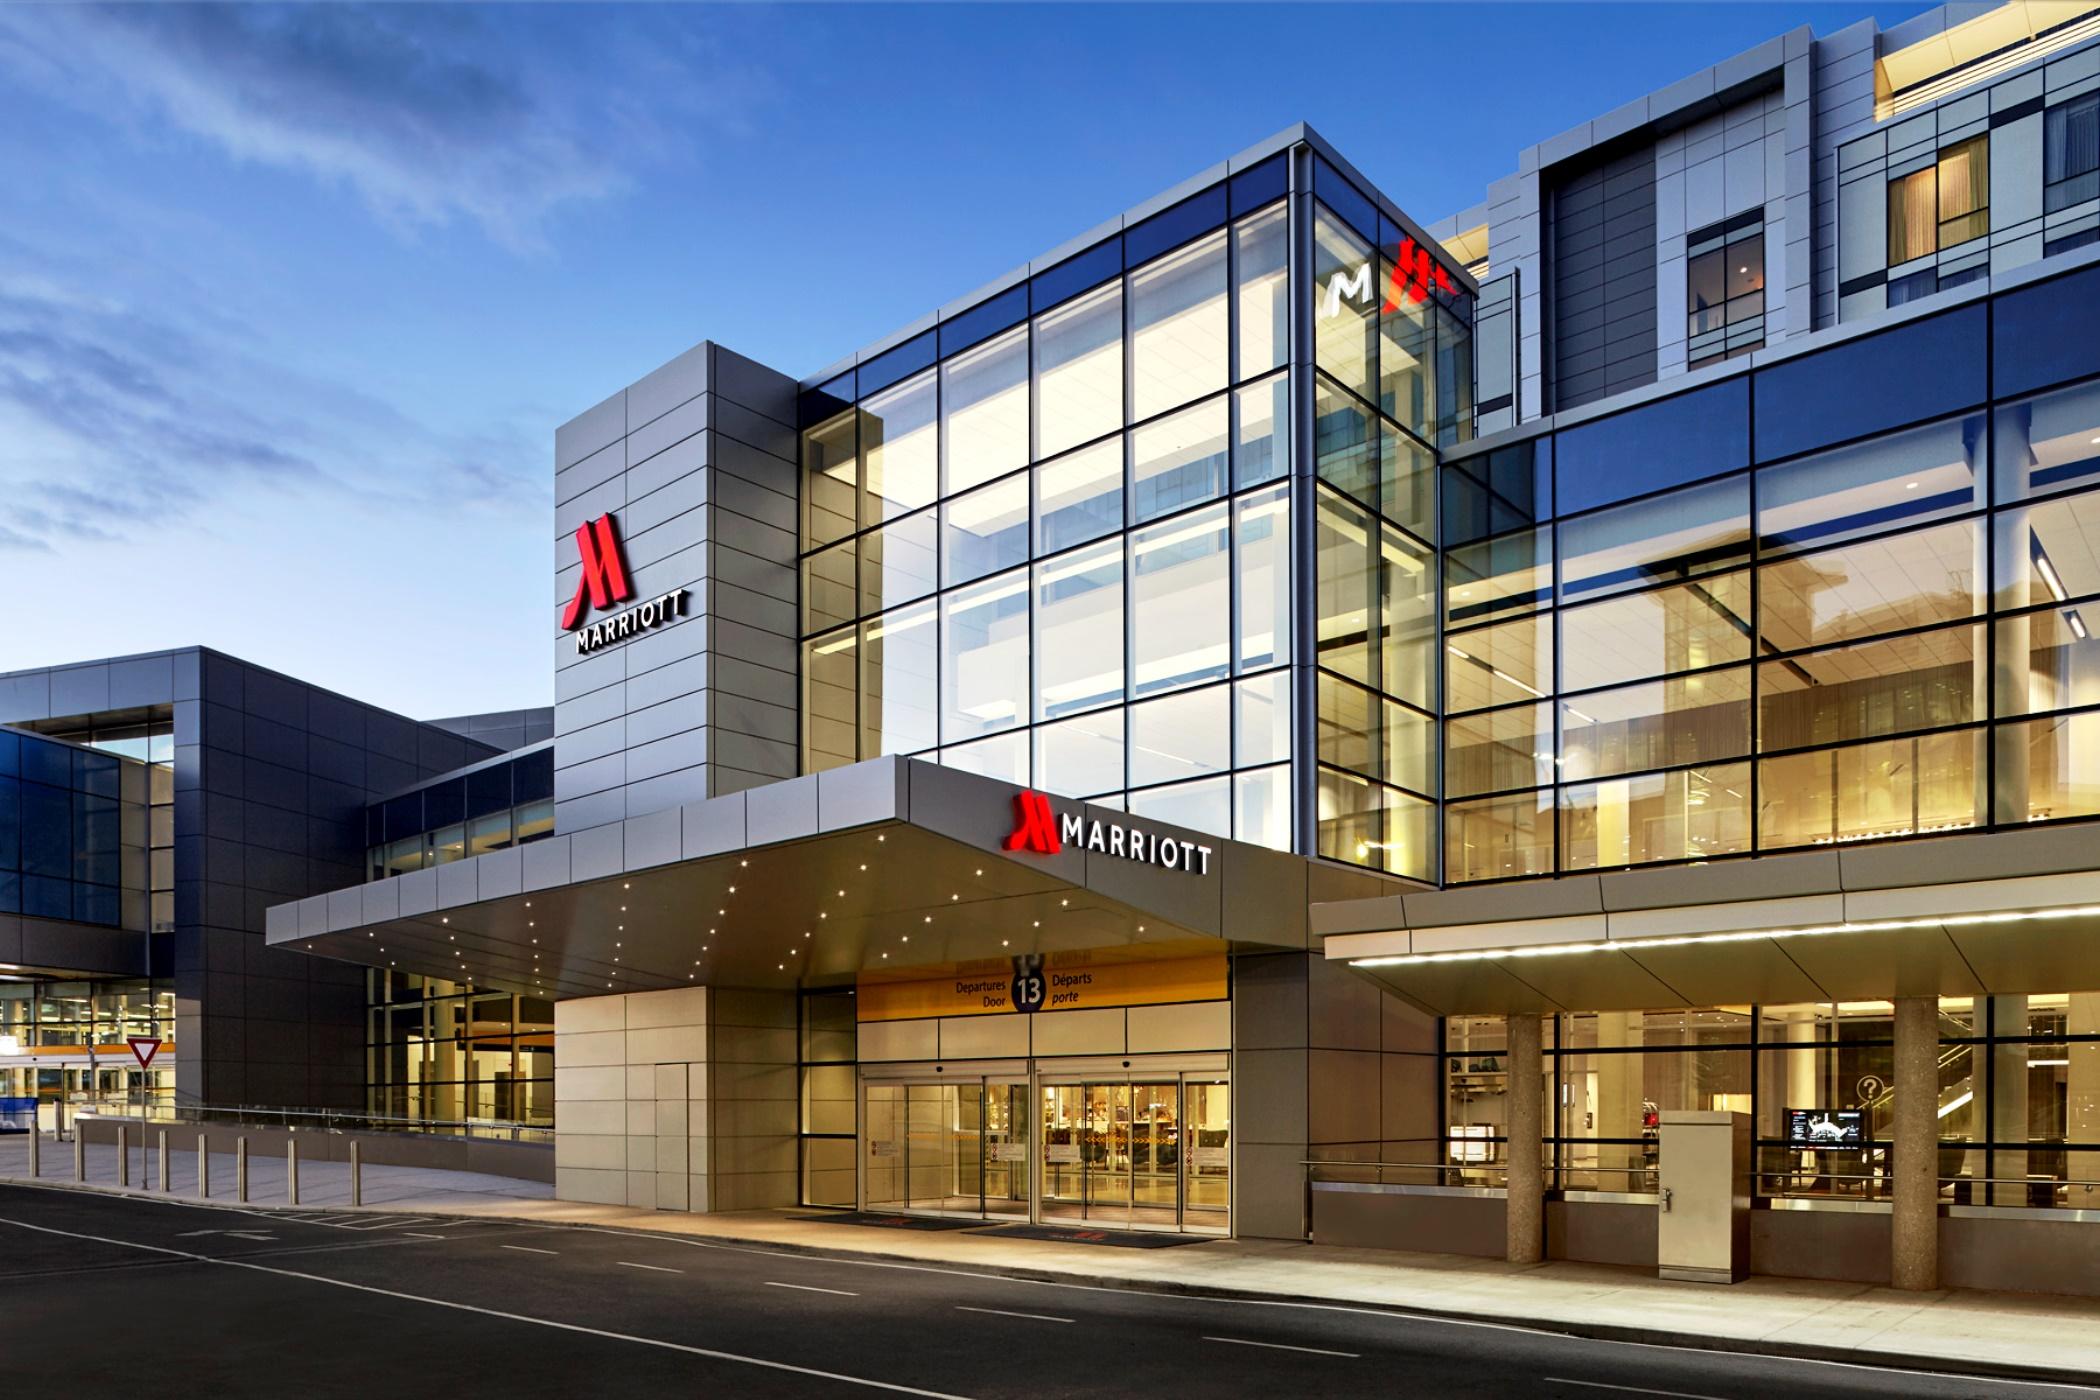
[{"x": 292, "y": 299}]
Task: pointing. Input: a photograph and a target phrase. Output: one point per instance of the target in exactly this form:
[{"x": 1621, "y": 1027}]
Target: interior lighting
[{"x": 1635, "y": 945}]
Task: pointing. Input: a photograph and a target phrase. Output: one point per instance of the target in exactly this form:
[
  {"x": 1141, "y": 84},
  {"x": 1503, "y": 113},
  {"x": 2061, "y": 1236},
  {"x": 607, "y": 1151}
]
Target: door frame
[{"x": 1031, "y": 1077}]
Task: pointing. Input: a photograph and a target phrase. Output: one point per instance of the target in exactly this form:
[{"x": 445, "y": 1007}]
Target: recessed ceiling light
[
  {"x": 732, "y": 889},
  {"x": 1002, "y": 943}
]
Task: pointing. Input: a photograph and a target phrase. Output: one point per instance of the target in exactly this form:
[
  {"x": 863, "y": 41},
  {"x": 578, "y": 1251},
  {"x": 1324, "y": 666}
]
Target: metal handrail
[{"x": 334, "y": 1120}]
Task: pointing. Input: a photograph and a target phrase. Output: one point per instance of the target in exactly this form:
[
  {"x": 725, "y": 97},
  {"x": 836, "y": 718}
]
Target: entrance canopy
[
  {"x": 879, "y": 866},
  {"x": 1974, "y": 915}
]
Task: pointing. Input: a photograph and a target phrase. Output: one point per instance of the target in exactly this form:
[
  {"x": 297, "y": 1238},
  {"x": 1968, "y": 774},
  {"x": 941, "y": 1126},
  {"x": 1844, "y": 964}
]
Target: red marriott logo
[
  {"x": 1037, "y": 828},
  {"x": 1034, "y": 829},
  {"x": 1414, "y": 273},
  {"x": 604, "y": 583},
  {"x": 604, "y": 580}
]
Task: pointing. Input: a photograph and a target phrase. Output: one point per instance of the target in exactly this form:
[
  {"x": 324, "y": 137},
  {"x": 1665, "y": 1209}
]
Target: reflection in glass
[
  {"x": 2047, "y": 660},
  {"x": 2049, "y": 768},
  {"x": 1262, "y": 431},
  {"x": 984, "y": 531},
  {"x": 1498, "y": 751},
  {"x": 1003, "y": 756},
  {"x": 2048, "y": 553},
  {"x": 1178, "y": 461},
  {"x": 1345, "y": 447},
  {"x": 1406, "y": 357},
  {"x": 1884, "y": 585},
  {"x": 899, "y": 699},
  {"x": 900, "y": 449},
  {"x": 1180, "y": 576},
  {"x": 1079, "y": 497},
  {"x": 1891, "y": 787},
  {"x": 830, "y": 480},
  {"x": 1079, "y": 371},
  {"x": 1344, "y": 581},
  {"x": 1407, "y": 482},
  {"x": 984, "y": 411},
  {"x": 1407, "y": 610},
  {"x": 1178, "y": 348},
  {"x": 1903, "y": 479},
  {"x": 1497, "y": 577},
  {"x": 1656, "y": 724},
  {"x": 1923, "y": 680},
  {"x": 1347, "y": 734},
  {"x": 897, "y": 563},
  {"x": 1345, "y": 304},
  {"x": 1497, "y": 838},
  {"x": 1656, "y": 633},
  {"x": 1262, "y": 525},
  {"x": 1261, "y": 802},
  {"x": 1262, "y": 726},
  {"x": 1498, "y": 665},
  {"x": 1692, "y": 814},
  {"x": 1181, "y": 736},
  {"x": 1261, "y": 264},
  {"x": 984, "y": 658},
  {"x": 829, "y": 684},
  {"x": 828, "y": 597},
  {"x": 1204, "y": 805},
  {"x": 1082, "y": 756},
  {"x": 2048, "y": 444},
  {"x": 1661, "y": 539},
  {"x": 1079, "y": 630}
]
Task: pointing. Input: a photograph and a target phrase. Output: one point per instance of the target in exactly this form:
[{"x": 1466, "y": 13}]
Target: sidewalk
[{"x": 2005, "y": 1333}]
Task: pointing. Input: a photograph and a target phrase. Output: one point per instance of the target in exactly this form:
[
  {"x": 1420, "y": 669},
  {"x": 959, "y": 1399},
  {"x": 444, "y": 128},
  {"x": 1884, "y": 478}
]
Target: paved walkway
[{"x": 1952, "y": 1329}]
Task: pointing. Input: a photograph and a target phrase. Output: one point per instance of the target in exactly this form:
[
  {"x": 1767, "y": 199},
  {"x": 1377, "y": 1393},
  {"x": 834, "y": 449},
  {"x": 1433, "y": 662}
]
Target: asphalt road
[{"x": 111, "y": 1296}]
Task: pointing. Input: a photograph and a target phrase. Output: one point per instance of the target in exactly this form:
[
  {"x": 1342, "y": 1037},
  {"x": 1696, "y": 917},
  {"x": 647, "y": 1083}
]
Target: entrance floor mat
[
  {"x": 1080, "y": 1234},
  {"x": 890, "y": 1221}
]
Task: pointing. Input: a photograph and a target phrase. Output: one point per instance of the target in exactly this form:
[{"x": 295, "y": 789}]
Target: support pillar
[
  {"x": 1527, "y": 1177},
  {"x": 1914, "y": 1237}
]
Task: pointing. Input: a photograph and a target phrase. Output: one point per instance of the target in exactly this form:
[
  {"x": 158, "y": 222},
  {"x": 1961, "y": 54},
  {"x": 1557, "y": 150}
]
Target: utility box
[{"x": 1703, "y": 1219}]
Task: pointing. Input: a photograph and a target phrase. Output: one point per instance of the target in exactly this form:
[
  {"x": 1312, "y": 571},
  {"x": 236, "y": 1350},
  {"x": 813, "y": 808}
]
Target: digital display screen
[{"x": 1826, "y": 1127}]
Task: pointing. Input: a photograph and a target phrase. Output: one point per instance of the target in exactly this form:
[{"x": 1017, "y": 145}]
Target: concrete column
[
  {"x": 1527, "y": 1177},
  {"x": 1915, "y": 1234}
]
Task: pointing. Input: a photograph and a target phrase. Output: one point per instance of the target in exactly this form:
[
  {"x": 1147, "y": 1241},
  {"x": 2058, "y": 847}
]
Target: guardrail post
[
  {"x": 240, "y": 1170},
  {"x": 79, "y": 1152},
  {"x": 203, "y": 1169},
  {"x": 291, "y": 1170},
  {"x": 123, "y": 1154},
  {"x": 357, "y": 1187},
  {"x": 36, "y": 1142},
  {"x": 163, "y": 1160}
]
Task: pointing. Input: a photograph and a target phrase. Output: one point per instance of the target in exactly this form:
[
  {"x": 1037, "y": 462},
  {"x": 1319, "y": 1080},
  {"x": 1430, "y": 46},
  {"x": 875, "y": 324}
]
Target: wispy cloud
[{"x": 426, "y": 113}]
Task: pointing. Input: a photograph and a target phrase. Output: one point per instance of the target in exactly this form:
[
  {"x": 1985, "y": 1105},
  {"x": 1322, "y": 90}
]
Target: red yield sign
[{"x": 143, "y": 1049}]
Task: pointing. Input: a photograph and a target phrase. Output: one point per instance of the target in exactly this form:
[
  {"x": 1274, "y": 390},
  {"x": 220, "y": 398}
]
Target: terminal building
[{"x": 1273, "y": 718}]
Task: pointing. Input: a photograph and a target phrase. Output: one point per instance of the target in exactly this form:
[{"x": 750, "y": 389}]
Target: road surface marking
[
  {"x": 1626, "y": 1389},
  {"x": 1002, "y": 1312},
  {"x": 418, "y": 1235},
  {"x": 527, "y": 1249},
  {"x": 708, "y": 1352},
  {"x": 653, "y": 1268},
  {"x": 1280, "y": 1346},
  {"x": 812, "y": 1288}
]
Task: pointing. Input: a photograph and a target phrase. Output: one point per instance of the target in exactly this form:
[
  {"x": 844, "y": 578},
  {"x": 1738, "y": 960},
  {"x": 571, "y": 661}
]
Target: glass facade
[
  {"x": 67, "y": 1039},
  {"x": 505, "y": 803},
  {"x": 87, "y": 833},
  {"x": 1881, "y": 638},
  {"x": 451, "y": 1052},
  {"x": 1071, "y": 531},
  {"x": 2017, "y": 1096}
]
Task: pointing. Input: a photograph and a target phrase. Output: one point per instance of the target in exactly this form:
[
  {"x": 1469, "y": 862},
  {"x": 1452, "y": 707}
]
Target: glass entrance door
[{"x": 955, "y": 1148}]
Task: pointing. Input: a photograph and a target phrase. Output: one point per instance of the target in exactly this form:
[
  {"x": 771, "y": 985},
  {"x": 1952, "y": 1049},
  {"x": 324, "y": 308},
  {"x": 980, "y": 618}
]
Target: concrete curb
[{"x": 1603, "y": 1332}]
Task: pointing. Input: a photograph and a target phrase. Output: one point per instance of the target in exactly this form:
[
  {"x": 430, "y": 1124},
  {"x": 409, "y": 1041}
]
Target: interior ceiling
[
  {"x": 817, "y": 912},
  {"x": 2045, "y": 955}
]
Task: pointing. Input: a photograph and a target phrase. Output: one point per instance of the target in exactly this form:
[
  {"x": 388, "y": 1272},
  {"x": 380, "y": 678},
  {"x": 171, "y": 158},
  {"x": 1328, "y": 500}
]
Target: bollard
[
  {"x": 123, "y": 1155},
  {"x": 291, "y": 1170},
  {"x": 79, "y": 1153},
  {"x": 164, "y": 1160},
  {"x": 357, "y": 1186},
  {"x": 240, "y": 1170},
  {"x": 203, "y": 1169},
  {"x": 36, "y": 1142}
]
